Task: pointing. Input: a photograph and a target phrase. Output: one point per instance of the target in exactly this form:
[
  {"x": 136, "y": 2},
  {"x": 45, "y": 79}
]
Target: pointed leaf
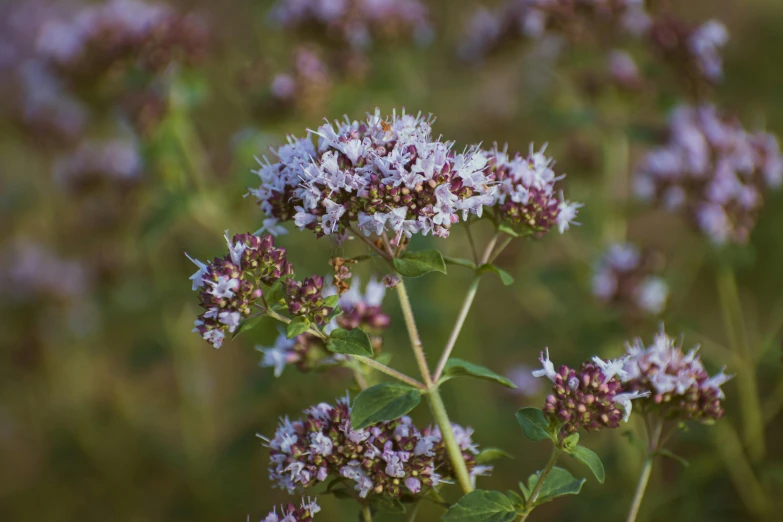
[
  {"x": 589, "y": 459},
  {"x": 534, "y": 424},
  {"x": 490, "y": 454},
  {"x": 387, "y": 401},
  {"x": 507, "y": 230},
  {"x": 331, "y": 301},
  {"x": 247, "y": 324},
  {"x": 298, "y": 326},
  {"x": 505, "y": 277},
  {"x": 350, "y": 342},
  {"x": 459, "y": 261},
  {"x": 415, "y": 264},
  {"x": 666, "y": 453},
  {"x": 559, "y": 482},
  {"x": 275, "y": 295},
  {"x": 459, "y": 368},
  {"x": 482, "y": 506}
]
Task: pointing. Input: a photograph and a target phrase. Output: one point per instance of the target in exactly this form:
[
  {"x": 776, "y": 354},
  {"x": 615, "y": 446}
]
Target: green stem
[
  {"x": 366, "y": 513},
  {"x": 413, "y": 333},
  {"x": 753, "y": 419},
  {"x": 641, "y": 487},
  {"x": 540, "y": 483},
  {"x": 389, "y": 371}
]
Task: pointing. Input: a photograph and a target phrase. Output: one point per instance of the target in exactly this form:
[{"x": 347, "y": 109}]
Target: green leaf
[
  {"x": 298, "y": 326},
  {"x": 381, "y": 504},
  {"x": 559, "y": 482},
  {"x": 382, "y": 402},
  {"x": 275, "y": 295},
  {"x": 350, "y": 342},
  {"x": 505, "y": 277},
  {"x": 507, "y": 230},
  {"x": 459, "y": 368},
  {"x": 247, "y": 324},
  {"x": 460, "y": 261},
  {"x": 571, "y": 441},
  {"x": 331, "y": 301},
  {"x": 490, "y": 454},
  {"x": 518, "y": 501},
  {"x": 415, "y": 264},
  {"x": 666, "y": 453},
  {"x": 482, "y": 506},
  {"x": 589, "y": 459},
  {"x": 534, "y": 424}
]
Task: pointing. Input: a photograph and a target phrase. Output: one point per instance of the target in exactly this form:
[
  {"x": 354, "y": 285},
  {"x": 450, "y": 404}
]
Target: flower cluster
[
  {"x": 307, "y": 351},
  {"x": 714, "y": 171},
  {"x": 377, "y": 175},
  {"x": 96, "y": 37},
  {"x": 626, "y": 277},
  {"x": 306, "y": 299},
  {"x": 291, "y": 513},
  {"x": 94, "y": 162},
  {"x": 488, "y": 30},
  {"x": 391, "y": 458},
  {"x": 676, "y": 384},
  {"x": 525, "y": 194},
  {"x": 591, "y": 398},
  {"x": 356, "y": 22},
  {"x": 306, "y": 86},
  {"x": 230, "y": 286}
]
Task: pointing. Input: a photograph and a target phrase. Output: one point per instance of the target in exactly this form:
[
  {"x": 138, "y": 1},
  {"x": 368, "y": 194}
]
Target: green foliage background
[{"x": 125, "y": 414}]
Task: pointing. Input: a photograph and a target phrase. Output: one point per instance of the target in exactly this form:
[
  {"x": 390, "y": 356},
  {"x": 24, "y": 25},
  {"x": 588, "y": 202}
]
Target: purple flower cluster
[
  {"x": 591, "y": 398},
  {"x": 291, "y": 513},
  {"x": 307, "y": 351},
  {"x": 356, "y": 22},
  {"x": 525, "y": 193},
  {"x": 712, "y": 170},
  {"x": 230, "y": 286},
  {"x": 390, "y": 175},
  {"x": 676, "y": 384},
  {"x": 378, "y": 175},
  {"x": 391, "y": 458},
  {"x": 306, "y": 299},
  {"x": 693, "y": 51},
  {"x": 626, "y": 277}
]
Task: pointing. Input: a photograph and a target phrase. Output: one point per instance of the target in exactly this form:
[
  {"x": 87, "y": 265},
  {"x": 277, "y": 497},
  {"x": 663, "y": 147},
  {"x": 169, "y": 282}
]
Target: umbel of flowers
[
  {"x": 391, "y": 458},
  {"x": 390, "y": 175},
  {"x": 713, "y": 171},
  {"x": 675, "y": 384}
]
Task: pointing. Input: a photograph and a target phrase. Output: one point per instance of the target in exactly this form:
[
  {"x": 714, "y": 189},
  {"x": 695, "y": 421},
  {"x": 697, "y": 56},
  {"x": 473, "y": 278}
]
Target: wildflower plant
[{"x": 373, "y": 184}]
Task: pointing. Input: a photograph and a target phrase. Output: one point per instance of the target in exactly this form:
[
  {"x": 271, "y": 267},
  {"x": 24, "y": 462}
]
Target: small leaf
[
  {"x": 383, "y": 402},
  {"x": 666, "y": 453},
  {"x": 490, "y": 454},
  {"x": 482, "y": 506},
  {"x": 331, "y": 301},
  {"x": 350, "y": 342},
  {"x": 460, "y": 261},
  {"x": 247, "y": 324},
  {"x": 507, "y": 230},
  {"x": 381, "y": 504},
  {"x": 415, "y": 264},
  {"x": 519, "y": 502},
  {"x": 534, "y": 424},
  {"x": 571, "y": 441},
  {"x": 559, "y": 482},
  {"x": 525, "y": 491},
  {"x": 459, "y": 368},
  {"x": 589, "y": 459},
  {"x": 298, "y": 326},
  {"x": 275, "y": 295},
  {"x": 505, "y": 277}
]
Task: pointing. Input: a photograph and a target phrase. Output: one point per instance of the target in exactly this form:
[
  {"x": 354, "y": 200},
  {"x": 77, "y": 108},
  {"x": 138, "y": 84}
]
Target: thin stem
[
  {"x": 366, "y": 513},
  {"x": 500, "y": 249},
  {"x": 472, "y": 243},
  {"x": 452, "y": 447},
  {"x": 370, "y": 244},
  {"x": 540, "y": 483},
  {"x": 283, "y": 319},
  {"x": 413, "y": 333},
  {"x": 644, "y": 478},
  {"x": 753, "y": 419},
  {"x": 389, "y": 371}
]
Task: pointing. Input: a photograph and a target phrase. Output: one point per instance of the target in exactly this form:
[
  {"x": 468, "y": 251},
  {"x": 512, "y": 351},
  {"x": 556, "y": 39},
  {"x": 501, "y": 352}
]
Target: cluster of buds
[
  {"x": 342, "y": 273},
  {"x": 591, "y": 398},
  {"x": 306, "y": 298},
  {"x": 307, "y": 351},
  {"x": 391, "y": 458},
  {"x": 356, "y": 23},
  {"x": 230, "y": 286},
  {"x": 291, "y": 513},
  {"x": 389, "y": 175},
  {"x": 488, "y": 31},
  {"x": 377, "y": 175},
  {"x": 626, "y": 278},
  {"x": 676, "y": 385},
  {"x": 525, "y": 194},
  {"x": 712, "y": 170},
  {"x": 96, "y": 162},
  {"x": 98, "y": 38}
]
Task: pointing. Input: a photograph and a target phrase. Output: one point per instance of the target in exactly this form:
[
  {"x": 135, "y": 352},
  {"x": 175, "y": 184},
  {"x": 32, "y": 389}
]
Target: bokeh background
[{"x": 111, "y": 408}]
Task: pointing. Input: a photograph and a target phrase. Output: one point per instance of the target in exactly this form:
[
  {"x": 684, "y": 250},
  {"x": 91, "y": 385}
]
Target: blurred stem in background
[
  {"x": 615, "y": 164},
  {"x": 653, "y": 428},
  {"x": 734, "y": 322}
]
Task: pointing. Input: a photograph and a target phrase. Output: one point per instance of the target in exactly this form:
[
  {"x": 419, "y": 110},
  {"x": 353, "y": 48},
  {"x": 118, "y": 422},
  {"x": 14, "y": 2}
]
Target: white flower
[
  {"x": 224, "y": 287},
  {"x": 231, "y": 319},
  {"x": 549, "y": 368},
  {"x": 271, "y": 226},
  {"x": 566, "y": 215},
  {"x": 198, "y": 277},
  {"x": 277, "y": 355},
  {"x": 612, "y": 367},
  {"x": 624, "y": 401},
  {"x": 235, "y": 250}
]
